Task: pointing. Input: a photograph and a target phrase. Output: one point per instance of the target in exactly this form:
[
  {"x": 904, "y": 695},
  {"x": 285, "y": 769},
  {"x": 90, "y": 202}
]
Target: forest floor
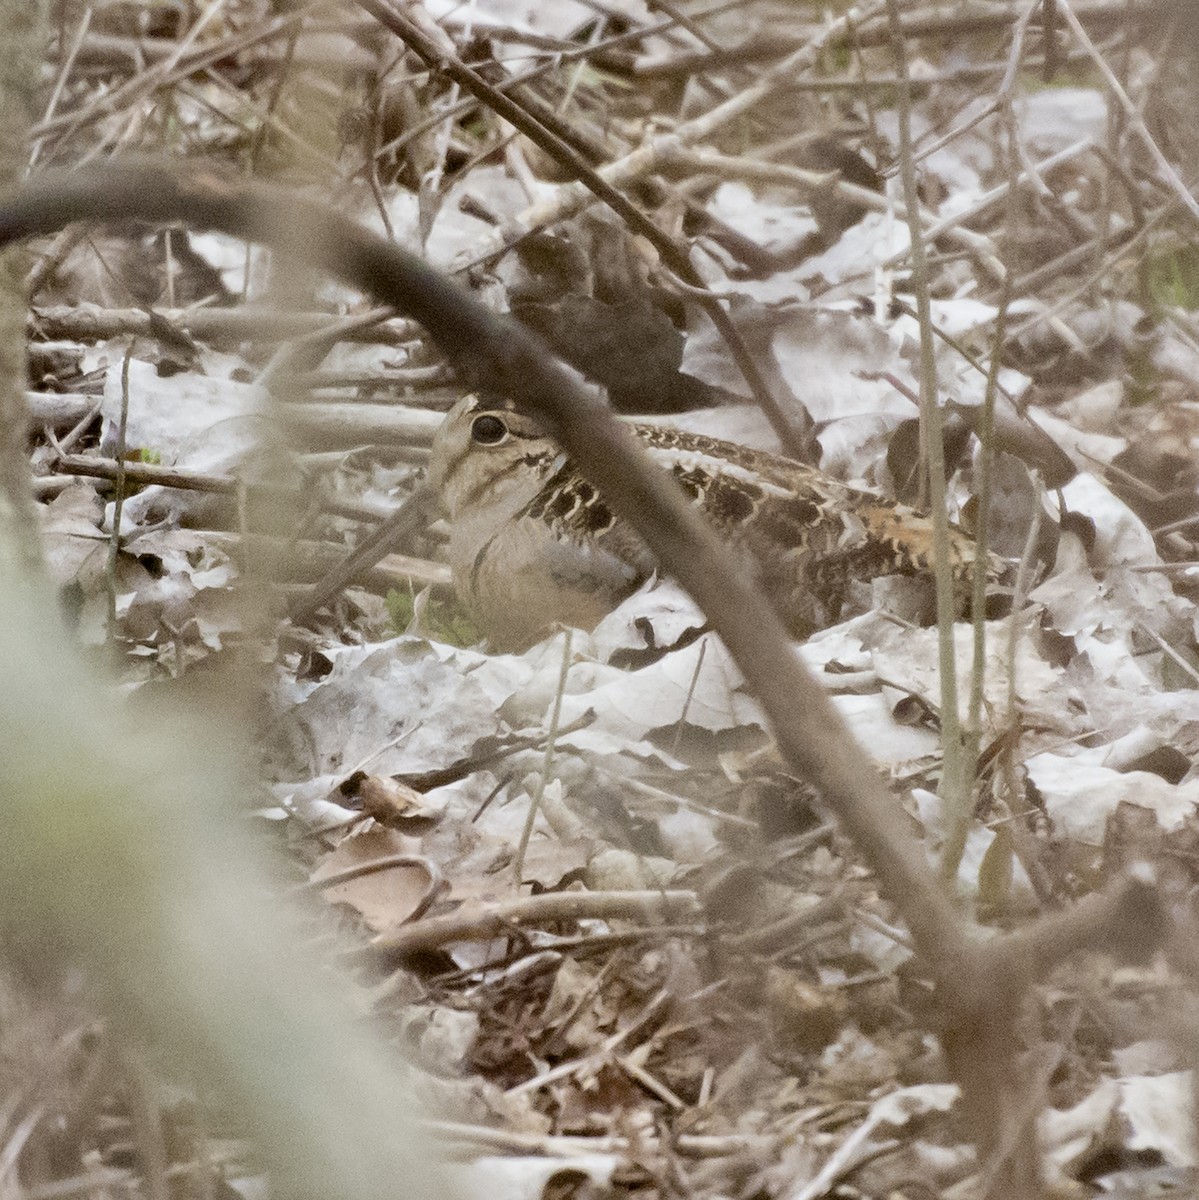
[{"x": 625, "y": 948}]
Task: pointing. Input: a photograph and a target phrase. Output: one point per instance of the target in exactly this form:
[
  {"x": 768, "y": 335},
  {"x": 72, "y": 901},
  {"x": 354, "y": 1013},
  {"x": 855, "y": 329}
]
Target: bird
[{"x": 533, "y": 545}]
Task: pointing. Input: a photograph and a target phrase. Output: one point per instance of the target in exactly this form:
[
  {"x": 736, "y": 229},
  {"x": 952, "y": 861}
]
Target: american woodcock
[{"x": 533, "y": 544}]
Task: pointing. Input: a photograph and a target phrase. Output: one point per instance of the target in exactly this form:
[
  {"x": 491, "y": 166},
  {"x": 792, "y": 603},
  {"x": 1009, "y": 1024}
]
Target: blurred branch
[
  {"x": 122, "y": 852},
  {"x": 20, "y": 55},
  {"x": 980, "y": 984}
]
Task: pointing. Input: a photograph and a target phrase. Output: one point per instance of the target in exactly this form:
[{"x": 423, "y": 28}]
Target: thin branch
[
  {"x": 955, "y": 790},
  {"x": 249, "y": 323},
  {"x": 1131, "y": 112},
  {"x": 480, "y": 922}
]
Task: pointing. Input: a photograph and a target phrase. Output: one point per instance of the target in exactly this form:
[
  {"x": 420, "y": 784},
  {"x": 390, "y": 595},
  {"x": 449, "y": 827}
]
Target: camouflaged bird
[{"x": 534, "y": 545}]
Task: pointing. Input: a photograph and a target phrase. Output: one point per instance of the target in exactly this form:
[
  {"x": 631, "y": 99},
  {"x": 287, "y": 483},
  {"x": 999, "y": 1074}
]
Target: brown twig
[
  {"x": 300, "y": 559},
  {"x": 475, "y": 923},
  {"x": 436, "y": 884},
  {"x": 937, "y": 23},
  {"x": 756, "y": 1148},
  {"x": 397, "y": 529},
  {"x": 172, "y": 67},
  {"x": 147, "y": 474},
  {"x": 249, "y": 323}
]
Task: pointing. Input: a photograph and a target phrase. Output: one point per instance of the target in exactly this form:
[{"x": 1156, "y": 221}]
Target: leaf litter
[{"x": 761, "y": 1036}]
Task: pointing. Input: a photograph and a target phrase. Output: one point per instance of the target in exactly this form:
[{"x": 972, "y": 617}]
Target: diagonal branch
[
  {"x": 499, "y": 353},
  {"x": 980, "y": 984}
]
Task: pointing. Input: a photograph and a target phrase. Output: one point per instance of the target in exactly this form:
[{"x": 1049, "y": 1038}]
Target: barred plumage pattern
[{"x": 533, "y": 544}]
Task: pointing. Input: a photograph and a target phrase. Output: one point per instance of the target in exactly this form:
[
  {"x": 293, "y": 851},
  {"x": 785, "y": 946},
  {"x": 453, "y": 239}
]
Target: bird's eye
[{"x": 488, "y": 430}]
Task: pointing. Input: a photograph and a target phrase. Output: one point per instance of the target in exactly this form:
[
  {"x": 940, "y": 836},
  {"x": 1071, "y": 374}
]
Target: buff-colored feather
[{"x": 533, "y": 545}]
